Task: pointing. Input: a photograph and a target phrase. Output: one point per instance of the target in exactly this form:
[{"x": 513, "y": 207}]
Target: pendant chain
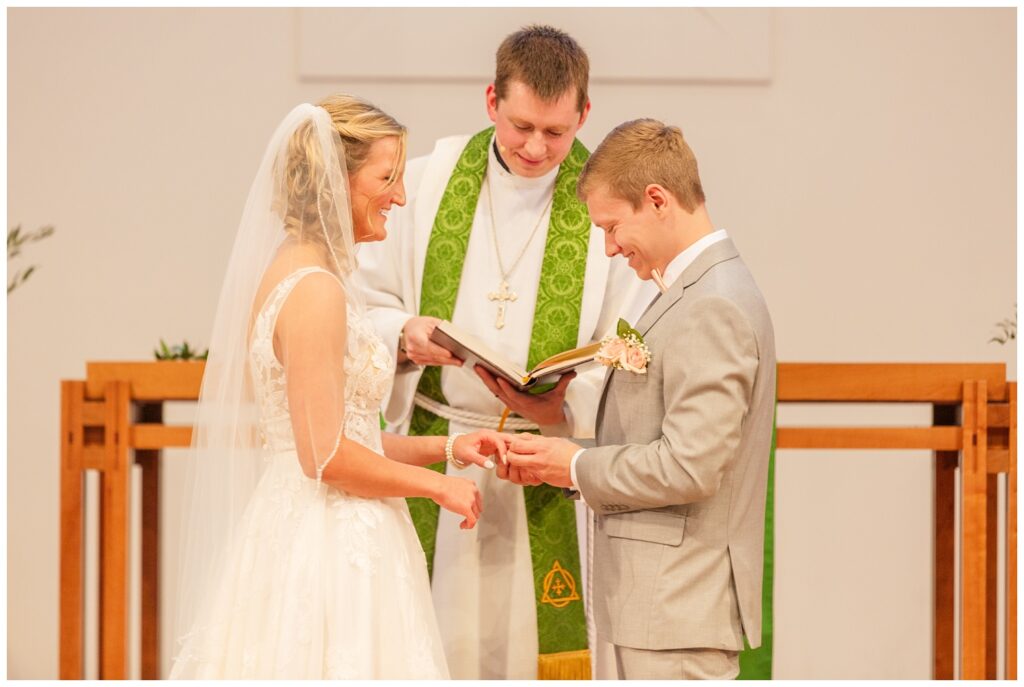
[{"x": 505, "y": 274}]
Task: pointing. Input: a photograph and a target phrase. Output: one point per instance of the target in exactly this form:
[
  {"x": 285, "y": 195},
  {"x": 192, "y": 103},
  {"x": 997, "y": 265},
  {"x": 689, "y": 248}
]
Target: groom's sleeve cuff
[{"x": 572, "y": 473}]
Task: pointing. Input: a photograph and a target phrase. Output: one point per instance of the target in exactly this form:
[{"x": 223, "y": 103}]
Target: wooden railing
[
  {"x": 117, "y": 411},
  {"x": 974, "y": 428},
  {"x": 114, "y": 418}
]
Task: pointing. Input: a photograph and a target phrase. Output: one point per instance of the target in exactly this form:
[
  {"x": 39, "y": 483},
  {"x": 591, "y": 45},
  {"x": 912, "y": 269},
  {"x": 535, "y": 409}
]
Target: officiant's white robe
[{"x": 483, "y": 579}]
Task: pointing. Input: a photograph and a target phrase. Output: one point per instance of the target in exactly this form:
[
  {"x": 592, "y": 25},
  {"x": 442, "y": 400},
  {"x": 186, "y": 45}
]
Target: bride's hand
[
  {"x": 460, "y": 496},
  {"x": 481, "y": 446}
]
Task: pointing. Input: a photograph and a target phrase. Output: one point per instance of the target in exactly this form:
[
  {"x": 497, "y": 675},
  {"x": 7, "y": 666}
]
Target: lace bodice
[{"x": 368, "y": 371}]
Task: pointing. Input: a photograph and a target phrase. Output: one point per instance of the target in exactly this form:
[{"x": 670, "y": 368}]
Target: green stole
[{"x": 558, "y": 584}]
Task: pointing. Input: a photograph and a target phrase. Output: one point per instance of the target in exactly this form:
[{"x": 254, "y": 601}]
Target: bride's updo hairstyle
[
  {"x": 360, "y": 124},
  {"x": 311, "y": 185}
]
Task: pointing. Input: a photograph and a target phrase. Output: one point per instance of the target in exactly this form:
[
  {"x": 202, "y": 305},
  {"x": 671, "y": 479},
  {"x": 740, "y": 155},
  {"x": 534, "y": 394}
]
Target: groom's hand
[
  {"x": 545, "y": 458},
  {"x": 515, "y": 475},
  {"x": 418, "y": 346},
  {"x": 544, "y": 409}
]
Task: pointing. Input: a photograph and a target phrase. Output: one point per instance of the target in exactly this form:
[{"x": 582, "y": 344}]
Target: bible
[{"x": 473, "y": 351}]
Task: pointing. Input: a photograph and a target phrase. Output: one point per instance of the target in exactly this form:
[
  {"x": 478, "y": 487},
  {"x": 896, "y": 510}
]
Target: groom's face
[
  {"x": 534, "y": 135},
  {"x": 630, "y": 232}
]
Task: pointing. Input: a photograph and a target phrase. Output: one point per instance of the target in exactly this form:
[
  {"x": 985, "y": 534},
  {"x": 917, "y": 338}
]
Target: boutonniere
[{"x": 626, "y": 351}]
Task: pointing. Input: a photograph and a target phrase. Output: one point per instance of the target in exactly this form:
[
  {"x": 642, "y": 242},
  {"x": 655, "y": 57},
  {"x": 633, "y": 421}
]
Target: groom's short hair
[
  {"x": 547, "y": 60},
  {"x": 642, "y": 152}
]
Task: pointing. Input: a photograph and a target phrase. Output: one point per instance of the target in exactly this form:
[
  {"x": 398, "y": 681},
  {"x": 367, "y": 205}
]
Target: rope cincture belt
[{"x": 466, "y": 417}]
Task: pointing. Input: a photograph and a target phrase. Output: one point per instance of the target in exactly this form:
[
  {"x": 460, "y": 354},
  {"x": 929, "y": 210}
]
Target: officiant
[{"x": 493, "y": 239}]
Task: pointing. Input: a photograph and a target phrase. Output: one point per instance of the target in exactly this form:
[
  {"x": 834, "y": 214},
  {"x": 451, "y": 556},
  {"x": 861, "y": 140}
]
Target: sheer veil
[{"x": 297, "y": 217}]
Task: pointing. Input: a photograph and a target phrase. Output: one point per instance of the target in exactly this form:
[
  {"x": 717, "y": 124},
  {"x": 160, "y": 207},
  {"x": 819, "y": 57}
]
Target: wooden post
[
  {"x": 991, "y": 575},
  {"x": 149, "y": 461},
  {"x": 973, "y": 551},
  {"x": 72, "y": 396},
  {"x": 114, "y": 540},
  {"x": 944, "y": 630},
  {"x": 1011, "y": 542}
]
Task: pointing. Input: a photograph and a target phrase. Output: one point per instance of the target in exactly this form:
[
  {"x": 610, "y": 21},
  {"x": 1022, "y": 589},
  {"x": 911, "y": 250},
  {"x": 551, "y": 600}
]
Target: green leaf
[
  {"x": 182, "y": 351},
  {"x": 623, "y": 328},
  {"x": 16, "y": 281},
  {"x": 42, "y": 233},
  {"x": 13, "y": 241}
]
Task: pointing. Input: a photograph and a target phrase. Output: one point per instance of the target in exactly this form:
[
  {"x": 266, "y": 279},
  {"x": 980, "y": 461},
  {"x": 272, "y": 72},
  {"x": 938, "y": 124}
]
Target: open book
[{"x": 473, "y": 351}]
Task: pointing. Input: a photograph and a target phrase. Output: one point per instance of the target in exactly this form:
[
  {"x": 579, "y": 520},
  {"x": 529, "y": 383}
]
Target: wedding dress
[
  {"x": 308, "y": 556},
  {"x": 282, "y": 575}
]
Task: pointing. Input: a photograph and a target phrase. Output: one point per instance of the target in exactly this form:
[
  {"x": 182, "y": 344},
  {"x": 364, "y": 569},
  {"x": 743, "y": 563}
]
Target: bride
[{"x": 299, "y": 556}]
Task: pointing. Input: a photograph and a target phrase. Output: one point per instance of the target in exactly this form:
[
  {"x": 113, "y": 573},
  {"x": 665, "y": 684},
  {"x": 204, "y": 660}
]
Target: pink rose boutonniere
[{"x": 627, "y": 351}]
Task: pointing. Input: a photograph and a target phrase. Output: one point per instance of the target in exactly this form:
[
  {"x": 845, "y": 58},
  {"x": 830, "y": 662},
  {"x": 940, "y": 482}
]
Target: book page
[
  {"x": 473, "y": 351},
  {"x": 575, "y": 356}
]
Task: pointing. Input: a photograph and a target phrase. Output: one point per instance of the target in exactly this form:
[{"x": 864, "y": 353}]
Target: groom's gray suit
[{"x": 679, "y": 475}]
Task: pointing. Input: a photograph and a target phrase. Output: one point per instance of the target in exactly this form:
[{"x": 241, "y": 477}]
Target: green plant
[
  {"x": 1007, "y": 329},
  {"x": 182, "y": 352},
  {"x": 16, "y": 239}
]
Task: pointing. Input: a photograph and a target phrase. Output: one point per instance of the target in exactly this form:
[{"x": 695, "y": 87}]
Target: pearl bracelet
[{"x": 449, "y": 454}]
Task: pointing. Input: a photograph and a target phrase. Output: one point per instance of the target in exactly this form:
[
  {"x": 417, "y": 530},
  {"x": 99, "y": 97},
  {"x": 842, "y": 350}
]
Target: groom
[{"x": 678, "y": 476}]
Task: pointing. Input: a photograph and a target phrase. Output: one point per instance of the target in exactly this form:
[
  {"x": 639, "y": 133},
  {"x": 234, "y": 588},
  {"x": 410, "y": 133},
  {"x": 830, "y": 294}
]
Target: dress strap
[{"x": 283, "y": 289}]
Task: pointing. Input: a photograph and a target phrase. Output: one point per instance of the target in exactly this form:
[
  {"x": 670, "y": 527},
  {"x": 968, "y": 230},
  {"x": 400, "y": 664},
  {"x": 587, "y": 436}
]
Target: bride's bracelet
[{"x": 449, "y": 454}]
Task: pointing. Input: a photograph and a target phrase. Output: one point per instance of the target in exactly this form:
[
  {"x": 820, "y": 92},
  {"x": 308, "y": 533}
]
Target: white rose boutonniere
[{"x": 627, "y": 351}]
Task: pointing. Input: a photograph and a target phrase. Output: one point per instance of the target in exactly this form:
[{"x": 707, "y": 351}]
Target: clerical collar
[
  {"x": 497, "y": 155},
  {"x": 506, "y": 177}
]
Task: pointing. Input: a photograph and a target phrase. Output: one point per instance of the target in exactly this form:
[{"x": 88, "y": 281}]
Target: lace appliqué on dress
[{"x": 320, "y": 583}]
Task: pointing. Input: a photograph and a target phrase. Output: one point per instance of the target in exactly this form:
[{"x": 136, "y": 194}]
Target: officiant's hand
[
  {"x": 544, "y": 409},
  {"x": 418, "y": 346},
  {"x": 546, "y": 458},
  {"x": 480, "y": 447}
]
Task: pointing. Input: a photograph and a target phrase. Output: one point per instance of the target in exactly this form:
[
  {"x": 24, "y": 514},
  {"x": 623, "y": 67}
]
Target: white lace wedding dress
[{"x": 318, "y": 584}]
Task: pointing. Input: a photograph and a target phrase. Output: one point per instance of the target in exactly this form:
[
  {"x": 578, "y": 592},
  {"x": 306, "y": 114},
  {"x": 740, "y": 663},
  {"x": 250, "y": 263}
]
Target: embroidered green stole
[{"x": 558, "y": 584}]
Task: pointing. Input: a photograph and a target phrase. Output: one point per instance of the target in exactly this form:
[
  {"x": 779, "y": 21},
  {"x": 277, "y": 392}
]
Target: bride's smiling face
[{"x": 372, "y": 196}]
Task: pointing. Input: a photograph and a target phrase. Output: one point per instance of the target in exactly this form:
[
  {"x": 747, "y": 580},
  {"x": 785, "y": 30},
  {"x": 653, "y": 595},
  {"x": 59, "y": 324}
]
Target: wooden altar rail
[
  {"x": 974, "y": 427},
  {"x": 117, "y": 410}
]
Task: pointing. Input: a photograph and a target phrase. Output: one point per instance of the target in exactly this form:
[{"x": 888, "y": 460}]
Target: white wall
[{"x": 870, "y": 185}]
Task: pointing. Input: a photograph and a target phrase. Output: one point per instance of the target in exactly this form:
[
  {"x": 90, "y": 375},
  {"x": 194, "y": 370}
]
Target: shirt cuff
[{"x": 572, "y": 473}]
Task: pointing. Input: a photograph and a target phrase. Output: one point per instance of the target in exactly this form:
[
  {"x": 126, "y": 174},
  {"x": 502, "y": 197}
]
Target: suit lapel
[
  {"x": 714, "y": 254},
  {"x": 660, "y": 306},
  {"x": 604, "y": 392}
]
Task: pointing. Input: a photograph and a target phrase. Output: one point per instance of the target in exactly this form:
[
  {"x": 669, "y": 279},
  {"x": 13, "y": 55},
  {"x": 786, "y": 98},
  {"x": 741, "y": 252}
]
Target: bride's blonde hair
[{"x": 305, "y": 201}]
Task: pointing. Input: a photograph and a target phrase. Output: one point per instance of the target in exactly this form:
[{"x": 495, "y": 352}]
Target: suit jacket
[{"x": 678, "y": 478}]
